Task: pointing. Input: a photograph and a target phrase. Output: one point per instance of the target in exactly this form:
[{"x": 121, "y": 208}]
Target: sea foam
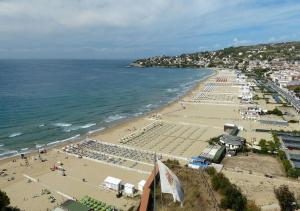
[
  {"x": 62, "y": 124},
  {"x": 97, "y": 130},
  {"x": 64, "y": 140},
  {"x": 72, "y": 128},
  {"x": 172, "y": 90},
  {"x": 114, "y": 118},
  {"x": 15, "y": 134},
  {"x": 8, "y": 153}
]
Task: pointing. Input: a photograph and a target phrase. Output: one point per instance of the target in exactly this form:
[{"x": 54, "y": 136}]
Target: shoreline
[
  {"x": 178, "y": 130},
  {"x": 113, "y": 126}
]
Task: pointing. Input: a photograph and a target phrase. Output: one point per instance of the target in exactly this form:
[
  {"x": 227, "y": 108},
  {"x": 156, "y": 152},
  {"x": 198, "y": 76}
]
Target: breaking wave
[
  {"x": 72, "y": 128},
  {"x": 15, "y": 134},
  {"x": 114, "y": 118},
  {"x": 62, "y": 124}
]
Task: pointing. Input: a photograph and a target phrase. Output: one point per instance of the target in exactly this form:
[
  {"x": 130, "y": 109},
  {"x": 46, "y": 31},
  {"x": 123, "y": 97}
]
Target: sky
[{"x": 127, "y": 29}]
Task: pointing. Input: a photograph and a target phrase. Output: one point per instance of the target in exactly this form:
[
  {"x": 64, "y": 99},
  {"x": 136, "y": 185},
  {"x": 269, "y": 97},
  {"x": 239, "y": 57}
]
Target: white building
[
  {"x": 141, "y": 185},
  {"x": 232, "y": 142},
  {"x": 129, "y": 189},
  {"x": 112, "y": 183}
]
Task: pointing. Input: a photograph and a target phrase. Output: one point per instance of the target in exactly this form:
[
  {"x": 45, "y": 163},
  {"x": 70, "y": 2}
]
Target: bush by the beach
[
  {"x": 232, "y": 195},
  {"x": 297, "y": 89},
  {"x": 211, "y": 171},
  {"x": 233, "y": 199},
  {"x": 267, "y": 147},
  {"x": 214, "y": 140},
  {"x": 220, "y": 182},
  {"x": 290, "y": 171},
  {"x": 5, "y": 201},
  {"x": 256, "y": 97},
  {"x": 275, "y": 111},
  {"x": 286, "y": 198}
]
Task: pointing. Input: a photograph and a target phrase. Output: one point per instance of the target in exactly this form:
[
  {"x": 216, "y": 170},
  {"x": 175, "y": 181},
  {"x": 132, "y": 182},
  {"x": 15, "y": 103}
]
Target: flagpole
[{"x": 154, "y": 191}]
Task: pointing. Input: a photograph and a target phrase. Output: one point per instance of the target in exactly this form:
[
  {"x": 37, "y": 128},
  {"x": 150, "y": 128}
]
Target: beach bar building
[
  {"x": 214, "y": 153},
  {"x": 232, "y": 142},
  {"x": 112, "y": 183}
]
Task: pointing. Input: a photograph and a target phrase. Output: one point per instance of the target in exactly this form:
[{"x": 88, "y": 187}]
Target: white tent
[
  {"x": 141, "y": 185},
  {"x": 129, "y": 189},
  {"x": 112, "y": 183}
]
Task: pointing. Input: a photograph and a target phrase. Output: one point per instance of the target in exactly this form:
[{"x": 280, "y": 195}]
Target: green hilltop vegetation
[{"x": 261, "y": 56}]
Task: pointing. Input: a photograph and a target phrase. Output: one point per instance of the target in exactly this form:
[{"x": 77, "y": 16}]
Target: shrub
[
  {"x": 263, "y": 146},
  {"x": 251, "y": 206},
  {"x": 267, "y": 146},
  {"x": 276, "y": 140},
  {"x": 290, "y": 171},
  {"x": 293, "y": 121},
  {"x": 211, "y": 171},
  {"x": 256, "y": 97},
  {"x": 220, "y": 182},
  {"x": 5, "y": 201},
  {"x": 275, "y": 111},
  {"x": 233, "y": 198},
  {"x": 214, "y": 140},
  {"x": 297, "y": 89},
  {"x": 286, "y": 198},
  {"x": 281, "y": 155},
  {"x": 293, "y": 172}
]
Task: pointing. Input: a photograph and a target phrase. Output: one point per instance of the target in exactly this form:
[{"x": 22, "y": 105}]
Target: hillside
[{"x": 264, "y": 56}]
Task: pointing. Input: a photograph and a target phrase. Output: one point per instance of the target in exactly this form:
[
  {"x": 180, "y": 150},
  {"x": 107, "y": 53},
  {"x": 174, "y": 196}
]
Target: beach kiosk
[
  {"x": 128, "y": 189},
  {"x": 112, "y": 183},
  {"x": 141, "y": 185}
]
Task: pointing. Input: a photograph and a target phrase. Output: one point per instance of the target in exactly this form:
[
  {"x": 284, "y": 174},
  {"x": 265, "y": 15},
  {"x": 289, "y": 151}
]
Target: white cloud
[
  {"x": 132, "y": 24},
  {"x": 84, "y": 13}
]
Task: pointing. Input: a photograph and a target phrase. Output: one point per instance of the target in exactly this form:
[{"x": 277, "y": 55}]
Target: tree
[
  {"x": 281, "y": 155},
  {"x": 4, "y": 200},
  {"x": 286, "y": 198},
  {"x": 10, "y": 209},
  {"x": 271, "y": 146},
  {"x": 275, "y": 111},
  {"x": 292, "y": 172},
  {"x": 220, "y": 182},
  {"x": 263, "y": 145},
  {"x": 276, "y": 140},
  {"x": 297, "y": 89},
  {"x": 234, "y": 199}
]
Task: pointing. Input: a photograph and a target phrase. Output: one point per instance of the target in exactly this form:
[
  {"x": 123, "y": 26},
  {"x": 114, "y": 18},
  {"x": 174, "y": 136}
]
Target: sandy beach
[{"x": 179, "y": 130}]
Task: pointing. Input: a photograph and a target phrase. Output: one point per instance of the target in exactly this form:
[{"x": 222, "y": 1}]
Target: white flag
[{"x": 169, "y": 182}]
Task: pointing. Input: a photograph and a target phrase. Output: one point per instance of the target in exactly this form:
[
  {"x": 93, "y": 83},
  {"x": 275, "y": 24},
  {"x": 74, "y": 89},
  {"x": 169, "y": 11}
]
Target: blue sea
[{"x": 46, "y": 102}]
